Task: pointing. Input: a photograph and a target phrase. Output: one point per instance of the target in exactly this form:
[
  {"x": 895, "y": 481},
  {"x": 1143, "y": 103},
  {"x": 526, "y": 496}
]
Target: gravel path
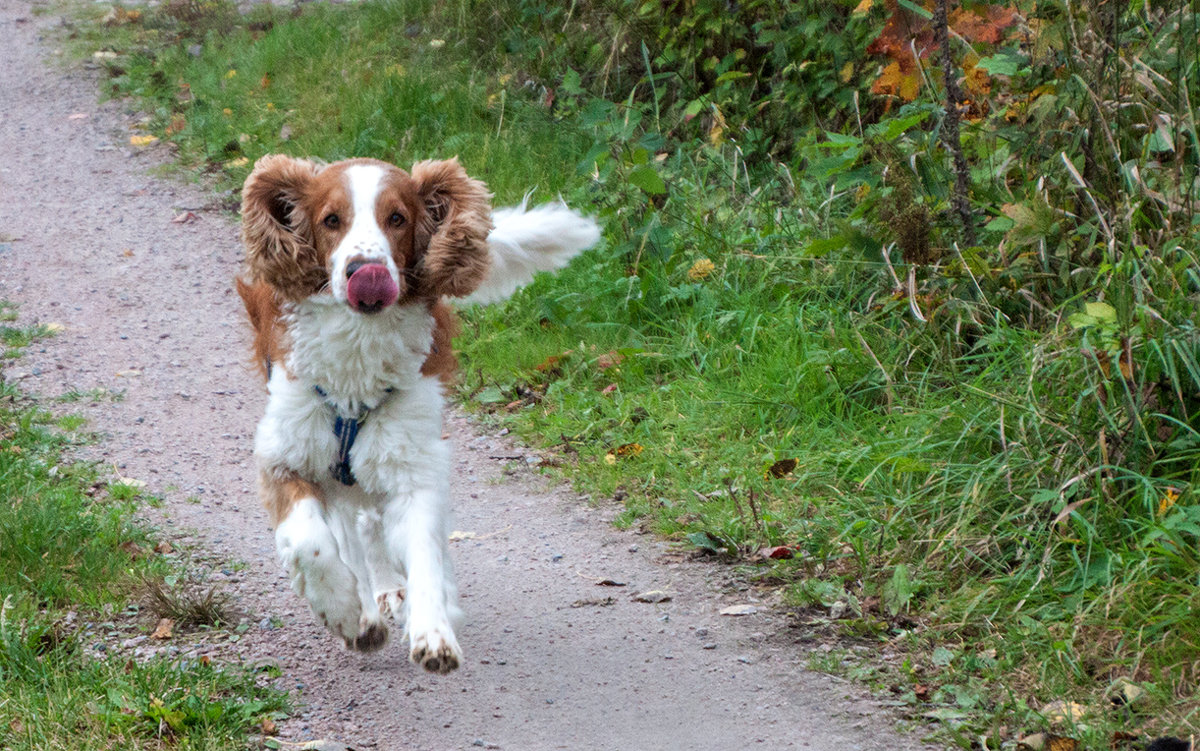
[{"x": 87, "y": 241}]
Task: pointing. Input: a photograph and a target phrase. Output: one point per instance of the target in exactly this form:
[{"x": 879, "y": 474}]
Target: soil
[{"x": 553, "y": 660}]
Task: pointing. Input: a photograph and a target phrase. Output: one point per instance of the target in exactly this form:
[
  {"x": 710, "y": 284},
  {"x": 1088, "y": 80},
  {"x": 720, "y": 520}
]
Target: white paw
[{"x": 435, "y": 650}]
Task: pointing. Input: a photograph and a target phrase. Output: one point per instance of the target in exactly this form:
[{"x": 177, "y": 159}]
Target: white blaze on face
[{"x": 364, "y": 241}]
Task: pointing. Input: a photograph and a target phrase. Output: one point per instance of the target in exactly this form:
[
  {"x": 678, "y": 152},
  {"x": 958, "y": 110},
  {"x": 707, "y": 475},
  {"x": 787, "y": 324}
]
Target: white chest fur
[{"x": 355, "y": 360}]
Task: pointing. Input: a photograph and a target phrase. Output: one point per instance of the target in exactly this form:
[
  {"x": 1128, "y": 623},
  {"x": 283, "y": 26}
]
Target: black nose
[{"x": 354, "y": 266}]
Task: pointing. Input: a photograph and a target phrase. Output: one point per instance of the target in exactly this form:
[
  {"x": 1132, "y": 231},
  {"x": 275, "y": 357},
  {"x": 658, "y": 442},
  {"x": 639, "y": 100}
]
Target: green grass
[
  {"x": 69, "y": 568},
  {"x": 990, "y": 468}
]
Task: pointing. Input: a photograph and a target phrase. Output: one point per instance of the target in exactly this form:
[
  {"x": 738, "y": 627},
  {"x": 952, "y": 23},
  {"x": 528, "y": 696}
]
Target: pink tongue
[{"x": 371, "y": 288}]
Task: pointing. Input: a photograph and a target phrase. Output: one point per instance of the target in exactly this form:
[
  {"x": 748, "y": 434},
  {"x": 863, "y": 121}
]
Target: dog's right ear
[{"x": 277, "y": 233}]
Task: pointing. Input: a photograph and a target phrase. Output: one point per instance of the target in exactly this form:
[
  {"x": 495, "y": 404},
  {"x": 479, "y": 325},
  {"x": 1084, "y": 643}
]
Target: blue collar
[{"x": 346, "y": 430}]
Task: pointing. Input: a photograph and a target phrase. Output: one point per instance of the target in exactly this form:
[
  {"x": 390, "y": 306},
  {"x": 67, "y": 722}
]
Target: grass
[
  {"x": 985, "y": 463},
  {"x": 72, "y": 563}
]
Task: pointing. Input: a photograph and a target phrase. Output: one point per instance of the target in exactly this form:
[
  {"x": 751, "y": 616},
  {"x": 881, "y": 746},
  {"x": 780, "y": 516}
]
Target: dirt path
[{"x": 87, "y": 241}]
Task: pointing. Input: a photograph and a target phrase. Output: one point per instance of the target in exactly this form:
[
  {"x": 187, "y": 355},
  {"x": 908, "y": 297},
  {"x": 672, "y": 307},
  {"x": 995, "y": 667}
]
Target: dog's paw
[
  {"x": 392, "y": 602},
  {"x": 436, "y": 650},
  {"x": 372, "y": 635}
]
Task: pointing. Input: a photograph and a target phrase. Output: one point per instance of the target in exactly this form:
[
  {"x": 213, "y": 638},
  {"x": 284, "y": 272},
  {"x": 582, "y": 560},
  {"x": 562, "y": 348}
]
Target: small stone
[
  {"x": 653, "y": 595},
  {"x": 709, "y": 645}
]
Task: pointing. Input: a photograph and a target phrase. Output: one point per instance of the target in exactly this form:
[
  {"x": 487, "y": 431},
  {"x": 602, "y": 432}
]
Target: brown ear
[
  {"x": 453, "y": 229},
  {"x": 277, "y": 235}
]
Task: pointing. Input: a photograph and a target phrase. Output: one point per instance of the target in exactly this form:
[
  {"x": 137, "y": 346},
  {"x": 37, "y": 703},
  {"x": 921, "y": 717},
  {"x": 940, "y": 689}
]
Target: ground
[{"x": 148, "y": 312}]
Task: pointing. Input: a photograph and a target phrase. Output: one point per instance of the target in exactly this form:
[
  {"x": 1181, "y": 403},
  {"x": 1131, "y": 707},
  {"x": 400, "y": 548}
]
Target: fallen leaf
[
  {"x": 186, "y": 217},
  {"x": 779, "y": 552},
  {"x": 268, "y": 726},
  {"x": 1060, "y": 711},
  {"x": 105, "y": 55},
  {"x": 241, "y": 161},
  {"x": 78, "y": 116},
  {"x": 164, "y": 629},
  {"x": 131, "y": 482},
  {"x": 609, "y": 583},
  {"x": 1168, "y": 500},
  {"x": 609, "y": 359},
  {"x": 701, "y": 269},
  {"x": 55, "y": 327},
  {"x": 131, "y": 373},
  {"x": 177, "y": 124},
  {"x": 609, "y": 388},
  {"x": 781, "y": 468},
  {"x": 143, "y": 140},
  {"x": 653, "y": 595},
  {"x": 458, "y": 535},
  {"x": 745, "y": 609},
  {"x": 164, "y": 548},
  {"x": 134, "y": 550}
]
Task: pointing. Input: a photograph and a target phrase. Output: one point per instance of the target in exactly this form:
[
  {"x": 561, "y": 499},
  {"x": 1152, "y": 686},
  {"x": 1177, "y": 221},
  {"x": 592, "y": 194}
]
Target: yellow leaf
[
  {"x": 230, "y": 73},
  {"x": 143, "y": 140},
  {"x": 241, "y": 161},
  {"x": 847, "y": 70},
  {"x": 701, "y": 269},
  {"x": 227, "y": 112},
  {"x": 862, "y": 8},
  {"x": 716, "y": 134},
  {"x": 1168, "y": 500},
  {"x": 610, "y": 458},
  {"x": 164, "y": 629}
]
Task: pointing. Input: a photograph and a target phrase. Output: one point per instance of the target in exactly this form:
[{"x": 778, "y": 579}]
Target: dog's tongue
[{"x": 371, "y": 288}]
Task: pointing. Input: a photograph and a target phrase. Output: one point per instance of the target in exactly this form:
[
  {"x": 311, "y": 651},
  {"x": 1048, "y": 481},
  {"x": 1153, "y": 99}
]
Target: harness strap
[{"x": 346, "y": 430}]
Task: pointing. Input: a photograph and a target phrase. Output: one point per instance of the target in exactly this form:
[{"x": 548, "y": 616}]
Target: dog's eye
[
  {"x": 396, "y": 219},
  {"x": 333, "y": 221}
]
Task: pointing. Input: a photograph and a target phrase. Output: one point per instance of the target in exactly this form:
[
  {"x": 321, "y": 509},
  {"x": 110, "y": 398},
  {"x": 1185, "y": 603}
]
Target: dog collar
[{"x": 346, "y": 430}]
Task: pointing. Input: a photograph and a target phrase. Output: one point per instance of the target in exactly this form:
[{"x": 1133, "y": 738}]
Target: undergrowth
[{"x": 967, "y": 432}]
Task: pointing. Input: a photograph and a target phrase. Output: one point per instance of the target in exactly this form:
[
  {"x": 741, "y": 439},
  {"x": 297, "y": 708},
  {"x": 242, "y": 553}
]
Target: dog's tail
[{"x": 526, "y": 241}]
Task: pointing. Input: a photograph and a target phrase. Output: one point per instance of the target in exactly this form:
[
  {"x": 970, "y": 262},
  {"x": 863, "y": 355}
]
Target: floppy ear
[
  {"x": 451, "y": 235},
  {"x": 276, "y": 232}
]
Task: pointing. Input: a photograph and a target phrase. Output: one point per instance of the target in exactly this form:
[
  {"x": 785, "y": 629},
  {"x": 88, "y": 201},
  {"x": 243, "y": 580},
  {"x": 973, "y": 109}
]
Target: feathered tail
[{"x": 526, "y": 241}]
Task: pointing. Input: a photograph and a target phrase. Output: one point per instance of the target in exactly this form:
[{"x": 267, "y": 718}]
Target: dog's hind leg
[
  {"x": 416, "y": 537},
  {"x": 311, "y": 555}
]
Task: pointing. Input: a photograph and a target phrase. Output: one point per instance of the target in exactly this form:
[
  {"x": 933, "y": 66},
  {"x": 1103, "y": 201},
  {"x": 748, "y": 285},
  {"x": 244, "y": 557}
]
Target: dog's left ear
[{"x": 451, "y": 235}]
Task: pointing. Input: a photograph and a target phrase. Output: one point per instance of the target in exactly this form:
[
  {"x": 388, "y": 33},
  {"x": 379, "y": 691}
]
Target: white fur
[
  {"x": 382, "y": 544},
  {"x": 525, "y": 241},
  {"x": 364, "y": 240}
]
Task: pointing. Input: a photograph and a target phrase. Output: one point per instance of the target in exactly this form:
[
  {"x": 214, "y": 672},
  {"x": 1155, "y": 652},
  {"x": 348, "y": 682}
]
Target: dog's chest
[{"x": 361, "y": 368}]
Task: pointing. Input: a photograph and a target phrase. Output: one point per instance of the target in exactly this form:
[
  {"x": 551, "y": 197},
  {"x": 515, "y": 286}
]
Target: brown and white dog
[{"x": 347, "y": 267}]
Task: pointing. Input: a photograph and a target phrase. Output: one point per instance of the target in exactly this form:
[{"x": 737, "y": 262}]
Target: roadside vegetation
[
  {"x": 75, "y": 569},
  {"x": 924, "y": 357}
]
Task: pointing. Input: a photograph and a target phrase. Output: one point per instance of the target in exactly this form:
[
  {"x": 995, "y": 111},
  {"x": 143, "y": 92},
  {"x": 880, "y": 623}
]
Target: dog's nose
[{"x": 354, "y": 266}]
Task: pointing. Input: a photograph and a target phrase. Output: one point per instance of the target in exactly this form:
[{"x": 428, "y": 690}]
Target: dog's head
[{"x": 364, "y": 231}]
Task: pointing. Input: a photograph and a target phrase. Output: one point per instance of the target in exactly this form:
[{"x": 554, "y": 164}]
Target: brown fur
[
  {"x": 277, "y": 232},
  {"x": 441, "y": 361},
  {"x": 262, "y": 307},
  {"x": 280, "y": 491},
  {"x": 454, "y": 230}
]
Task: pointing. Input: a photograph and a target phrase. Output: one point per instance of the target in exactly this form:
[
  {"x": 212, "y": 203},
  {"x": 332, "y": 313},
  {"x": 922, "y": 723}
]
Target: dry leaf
[
  {"x": 77, "y": 116},
  {"x": 131, "y": 482},
  {"x": 1064, "y": 711},
  {"x": 701, "y": 269},
  {"x": 779, "y": 552},
  {"x": 781, "y": 468},
  {"x": 458, "y": 535},
  {"x": 143, "y": 140},
  {"x": 164, "y": 548},
  {"x": 653, "y": 595},
  {"x": 268, "y": 726},
  {"x": 745, "y": 609},
  {"x": 186, "y": 217},
  {"x": 131, "y": 373},
  {"x": 164, "y": 629},
  {"x": 55, "y": 327}
]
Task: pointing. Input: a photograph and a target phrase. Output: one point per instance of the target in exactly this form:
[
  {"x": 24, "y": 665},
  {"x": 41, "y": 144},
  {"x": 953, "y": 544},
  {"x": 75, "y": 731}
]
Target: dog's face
[{"x": 364, "y": 231}]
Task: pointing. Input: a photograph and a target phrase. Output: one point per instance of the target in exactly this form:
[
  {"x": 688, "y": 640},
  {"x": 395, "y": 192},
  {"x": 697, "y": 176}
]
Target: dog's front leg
[
  {"x": 311, "y": 555},
  {"x": 416, "y": 535}
]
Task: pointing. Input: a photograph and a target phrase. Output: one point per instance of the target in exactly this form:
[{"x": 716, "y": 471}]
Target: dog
[{"x": 347, "y": 271}]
